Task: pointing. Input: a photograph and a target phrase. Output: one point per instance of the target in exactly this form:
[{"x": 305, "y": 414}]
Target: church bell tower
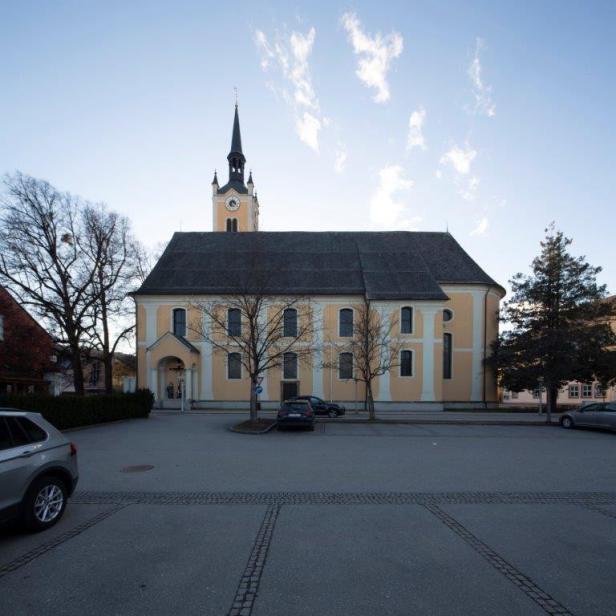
[{"x": 235, "y": 206}]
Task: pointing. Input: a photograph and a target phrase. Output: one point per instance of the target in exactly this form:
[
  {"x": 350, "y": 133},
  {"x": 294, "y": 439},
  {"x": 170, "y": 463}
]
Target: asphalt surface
[{"x": 352, "y": 519}]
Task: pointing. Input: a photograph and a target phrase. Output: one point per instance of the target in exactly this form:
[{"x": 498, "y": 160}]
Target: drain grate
[{"x": 137, "y": 468}]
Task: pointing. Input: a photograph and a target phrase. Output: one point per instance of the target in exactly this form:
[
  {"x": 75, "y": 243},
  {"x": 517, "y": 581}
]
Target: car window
[
  {"x": 315, "y": 400},
  {"x": 297, "y": 406},
  {"x": 5, "y": 437},
  {"x": 20, "y": 436},
  {"x": 34, "y": 432},
  {"x": 591, "y": 408},
  {"x": 611, "y": 407}
]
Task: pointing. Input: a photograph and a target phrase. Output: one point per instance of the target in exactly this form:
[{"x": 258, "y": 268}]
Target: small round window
[{"x": 447, "y": 315}]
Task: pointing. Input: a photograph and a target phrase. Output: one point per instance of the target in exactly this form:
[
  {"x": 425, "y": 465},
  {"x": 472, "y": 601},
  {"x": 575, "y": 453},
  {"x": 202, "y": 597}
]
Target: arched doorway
[{"x": 171, "y": 375}]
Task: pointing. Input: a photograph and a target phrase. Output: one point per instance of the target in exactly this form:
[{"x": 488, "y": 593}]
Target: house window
[
  {"x": 345, "y": 366},
  {"x": 599, "y": 391},
  {"x": 447, "y": 315},
  {"x": 574, "y": 390},
  {"x": 346, "y": 323},
  {"x": 234, "y": 366},
  {"x": 234, "y": 322},
  {"x": 1, "y": 327},
  {"x": 406, "y": 320},
  {"x": 179, "y": 322},
  {"x": 447, "y": 355},
  {"x": 406, "y": 363},
  {"x": 232, "y": 224},
  {"x": 289, "y": 366},
  {"x": 290, "y": 323},
  {"x": 536, "y": 394},
  {"x": 587, "y": 390},
  {"x": 95, "y": 372}
]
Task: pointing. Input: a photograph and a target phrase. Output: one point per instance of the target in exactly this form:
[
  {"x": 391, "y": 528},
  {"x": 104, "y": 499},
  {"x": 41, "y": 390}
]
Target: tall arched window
[
  {"x": 290, "y": 323},
  {"x": 447, "y": 356},
  {"x": 234, "y": 322},
  {"x": 234, "y": 366},
  {"x": 289, "y": 366},
  {"x": 179, "y": 322},
  {"x": 406, "y": 320},
  {"x": 231, "y": 224},
  {"x": 406, "y": 363},
  {"x": 345, "y": 366},
  {"x": 346, "y": 323}
]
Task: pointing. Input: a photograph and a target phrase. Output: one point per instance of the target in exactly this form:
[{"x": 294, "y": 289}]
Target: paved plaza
[{"x": 353, "y": 519}]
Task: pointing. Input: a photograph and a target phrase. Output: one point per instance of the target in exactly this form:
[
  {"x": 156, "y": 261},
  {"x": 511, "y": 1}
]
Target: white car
[{"x": 38, "y": 469}]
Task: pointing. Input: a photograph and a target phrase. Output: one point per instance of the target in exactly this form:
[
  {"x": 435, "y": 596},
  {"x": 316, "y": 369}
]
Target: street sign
[
  {"x": 258, "y": 389},
  {"x": 259, "y": 380}
]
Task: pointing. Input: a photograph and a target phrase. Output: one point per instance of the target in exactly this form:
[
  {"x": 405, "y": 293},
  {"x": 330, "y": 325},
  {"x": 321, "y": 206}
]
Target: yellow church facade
[{"x": 443, "y": 304}]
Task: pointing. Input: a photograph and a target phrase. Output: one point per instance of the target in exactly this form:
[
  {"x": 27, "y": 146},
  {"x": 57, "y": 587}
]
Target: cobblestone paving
[{"x": 346, "y": 498}]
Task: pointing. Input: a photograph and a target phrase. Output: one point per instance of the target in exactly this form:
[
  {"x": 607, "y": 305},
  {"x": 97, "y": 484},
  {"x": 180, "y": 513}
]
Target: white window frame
[
  {"x": 296, "y": 322},
  {"x": 233, "y": 378},
  {"x": 340, "y": 322},
  {"x": 586, "y": 391},
  {"x": 573, "y": 387},
  {"x": 412, "y": 307},
  {"x": 407, "y": 376},
  {"x": 345, "y": 380},
  {"x": 229, "y": 320},
  {"x": 173, "y": 309}
]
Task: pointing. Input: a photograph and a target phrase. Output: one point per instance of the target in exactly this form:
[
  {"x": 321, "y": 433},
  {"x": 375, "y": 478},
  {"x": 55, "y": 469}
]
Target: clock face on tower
[{"x": 232, "y": 204}]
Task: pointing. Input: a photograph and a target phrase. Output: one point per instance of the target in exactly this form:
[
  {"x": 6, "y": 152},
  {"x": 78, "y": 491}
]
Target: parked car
[
  {"x": 595, "y": 415},
  {"x": 320, "y": 407},
  {"x": 297, "y": 413},
  {"x": 38, "y": 469}
]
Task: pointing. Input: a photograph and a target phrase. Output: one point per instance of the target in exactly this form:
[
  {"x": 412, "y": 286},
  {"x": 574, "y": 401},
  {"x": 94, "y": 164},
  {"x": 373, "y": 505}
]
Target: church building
[{"x": 443, "y": 304}]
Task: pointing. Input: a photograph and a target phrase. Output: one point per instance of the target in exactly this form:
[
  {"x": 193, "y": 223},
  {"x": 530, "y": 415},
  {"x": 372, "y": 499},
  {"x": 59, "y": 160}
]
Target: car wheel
[
  {"x": 44, "y": 504},
  {"x": 332, "y": 413},
  {"x": 567, "y": 422}
]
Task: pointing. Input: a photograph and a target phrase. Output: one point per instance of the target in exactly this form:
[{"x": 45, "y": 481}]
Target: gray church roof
[{"x": 383, "y": 265}]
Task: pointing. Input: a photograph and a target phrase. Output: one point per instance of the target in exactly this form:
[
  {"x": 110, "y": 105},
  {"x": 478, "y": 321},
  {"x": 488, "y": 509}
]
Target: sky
[{"x": 489, "y": 119}]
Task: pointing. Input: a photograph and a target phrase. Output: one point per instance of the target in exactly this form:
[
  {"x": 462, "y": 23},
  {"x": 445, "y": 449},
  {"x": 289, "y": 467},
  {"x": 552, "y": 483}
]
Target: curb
[
  {"x": 264, "y": 431},
  {"x": 443, "y": 422}
]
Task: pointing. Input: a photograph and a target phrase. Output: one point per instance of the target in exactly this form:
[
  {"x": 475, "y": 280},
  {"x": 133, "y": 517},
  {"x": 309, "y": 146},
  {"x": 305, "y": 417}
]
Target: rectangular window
[
  {"x": 599, "y": 391},
  {"x": 574, "y": 391},
  {"x": 406, "y": 363},
  {"x": 179, "y": 322},
  {"x": 587, "y": 390},
  {"x": 447, "y": 355},
  {"x": 234, "y": 322},
  {"x": 289, "y": 366},
  {"x": 95, "y": 373},
  {"x": 290, "y": 323},
  {"x": 406, "y": 320},
  {"x": 345, "y": 366},
  {"x": 234, "y": 366}
]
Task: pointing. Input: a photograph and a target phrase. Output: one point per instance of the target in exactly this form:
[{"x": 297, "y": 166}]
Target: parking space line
[
  {"x": 28, "y": 557},
  {"x": 543, "y": 599},
  {"x": 248, "y": 587}
]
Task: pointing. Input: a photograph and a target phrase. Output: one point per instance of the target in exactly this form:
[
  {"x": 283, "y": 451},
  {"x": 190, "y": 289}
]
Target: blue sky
[{"x": 493, "y": 119}]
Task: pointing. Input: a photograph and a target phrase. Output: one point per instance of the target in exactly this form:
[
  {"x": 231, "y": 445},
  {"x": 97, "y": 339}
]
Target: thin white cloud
[
  {"x": 415, "y": 137},
  {"x": 375, "y": 55},
  {"x": 459, "y": 158},
  {"x": 292, "y": 54},
  {"x": 341, "y": 158},
  {"x": 469, "y": 190},
  {"x": 481, "y": 228},
  {"x": 386, "y": 208},
  {"x": 482, "y": 92}
]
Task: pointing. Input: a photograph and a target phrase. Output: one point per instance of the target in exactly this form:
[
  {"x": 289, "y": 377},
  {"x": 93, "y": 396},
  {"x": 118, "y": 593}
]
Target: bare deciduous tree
[
  {"x": 261, "y": 339},
  {"x": 373, "y": 349},
  {"x": 42, "y": 260}
]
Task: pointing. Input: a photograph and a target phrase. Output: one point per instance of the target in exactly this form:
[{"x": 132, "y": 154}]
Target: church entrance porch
[{"x": 174, "y": 383}]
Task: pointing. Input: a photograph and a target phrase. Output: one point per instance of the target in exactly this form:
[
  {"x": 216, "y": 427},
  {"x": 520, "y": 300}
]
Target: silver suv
[{"x": 38, "y": 469}]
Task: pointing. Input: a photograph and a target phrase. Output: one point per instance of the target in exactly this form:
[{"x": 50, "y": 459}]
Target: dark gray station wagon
[{"x": 595, "y": 415}]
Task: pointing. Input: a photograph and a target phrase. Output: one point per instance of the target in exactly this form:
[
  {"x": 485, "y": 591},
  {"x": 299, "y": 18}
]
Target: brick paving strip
[
  {"x": 28, "y": 557},
  {"x": 248, "y": 587},
  {"x": 525, "y": 584},
  {"x": 594, "y": 499}
]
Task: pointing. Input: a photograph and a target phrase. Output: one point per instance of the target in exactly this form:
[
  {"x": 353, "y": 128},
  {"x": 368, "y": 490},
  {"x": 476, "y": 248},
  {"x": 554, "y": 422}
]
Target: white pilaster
[
  {"x": 150, "y": 323},
  {"x": 477, "y": 361},
  {"x": 429, "y": 313},
  {"x": 317, "y": 370},
  {"x": 153, "y": 382},
  {"x": 188, "y": 384},
  {"x": 384, "y": 387},
  {"x": 207, "y": 367}
]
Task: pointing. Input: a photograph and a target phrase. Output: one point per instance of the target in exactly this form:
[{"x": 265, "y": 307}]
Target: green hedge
[{"x": 72, "y": 411}]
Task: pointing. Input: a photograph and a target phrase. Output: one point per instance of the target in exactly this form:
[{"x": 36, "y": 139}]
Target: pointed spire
[
  {"x": 250, "y": 178},
  {"x": 215, "y": 180},
  {"x": 236, "y": 140}
]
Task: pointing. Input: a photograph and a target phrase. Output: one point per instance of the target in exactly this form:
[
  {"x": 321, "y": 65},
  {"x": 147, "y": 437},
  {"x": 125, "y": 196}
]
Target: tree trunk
[
  {"x": 370, "y": 400},
  {"x": 77, "y": 369},
  {"x": 253, "y": 399},
  {"x": 108, "y": 366},
  {"x": 551, "y": 399}
]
